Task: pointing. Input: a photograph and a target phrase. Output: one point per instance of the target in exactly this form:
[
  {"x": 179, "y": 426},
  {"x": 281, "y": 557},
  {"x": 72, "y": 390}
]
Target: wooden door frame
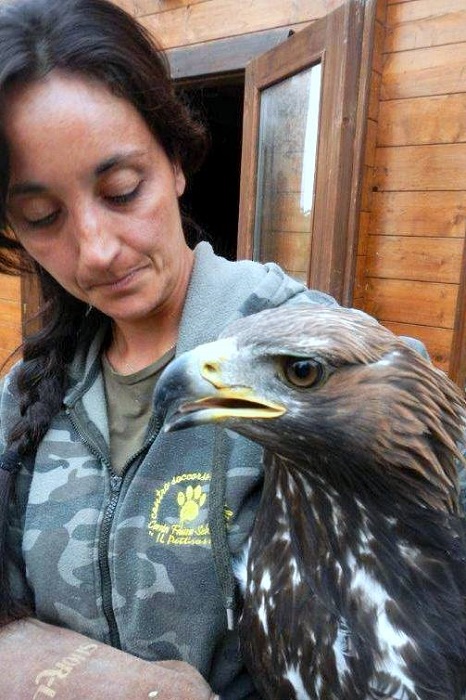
[
  {"x": 458, "y": 351},
  {"x": 343, "y": 42},
  {"x": 215, "y": 59}
]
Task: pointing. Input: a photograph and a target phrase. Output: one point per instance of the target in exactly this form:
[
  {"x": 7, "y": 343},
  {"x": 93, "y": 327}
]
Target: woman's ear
[{"x": 180, "y": 180}]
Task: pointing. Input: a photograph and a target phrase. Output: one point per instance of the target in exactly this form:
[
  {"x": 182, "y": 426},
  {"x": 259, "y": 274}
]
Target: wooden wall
[
  {"x": 179, "y": 23},
  {"x": 415, "y": 227},
  {"x": 10, "y": 317}
]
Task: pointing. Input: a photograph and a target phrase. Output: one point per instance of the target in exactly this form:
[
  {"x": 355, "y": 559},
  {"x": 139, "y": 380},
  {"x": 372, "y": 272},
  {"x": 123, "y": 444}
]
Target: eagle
[{"x": 355, "y": 586}]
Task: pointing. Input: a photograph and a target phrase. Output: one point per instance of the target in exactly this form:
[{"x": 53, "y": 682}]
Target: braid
[
  {"x": 42, "y": 383},
  {"x": 42, "y": 376},
  {"x": 10, "y": 608}
]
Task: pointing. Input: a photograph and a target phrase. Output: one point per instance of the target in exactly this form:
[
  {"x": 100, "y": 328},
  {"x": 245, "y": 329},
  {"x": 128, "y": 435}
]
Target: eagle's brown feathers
[{"x": 356, "y": 577}]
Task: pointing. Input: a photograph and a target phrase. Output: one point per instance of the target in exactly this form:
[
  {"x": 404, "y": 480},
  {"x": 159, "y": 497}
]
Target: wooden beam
[
  {"x": 423, "y": 120},
  {"x": 458, "y": 352},
  {"x": 422, "y": 23},
  {"x": 401, "y": 301},
  {"x": 409, "y": 258},
  {"x": 419, "y": 214},
  {"x": 420, "y": 72},
  {"x": 31, "y": 296},
  {"x": 437, "y": 340},
  {"x": 421, "y": 168},
  {"x": 204, "y": 21},
  {"x": 222, "y": 56}
]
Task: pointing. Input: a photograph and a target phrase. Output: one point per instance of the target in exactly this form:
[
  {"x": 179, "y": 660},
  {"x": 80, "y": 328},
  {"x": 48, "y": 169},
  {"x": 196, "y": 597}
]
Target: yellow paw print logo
[{"x": 190, "y": 502}]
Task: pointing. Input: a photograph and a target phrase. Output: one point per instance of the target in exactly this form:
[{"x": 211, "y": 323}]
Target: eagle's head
[{"x": 330, "y": 390}]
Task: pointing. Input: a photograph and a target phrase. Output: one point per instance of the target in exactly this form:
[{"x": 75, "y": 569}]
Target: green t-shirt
[{"x": 129, "y": 406}]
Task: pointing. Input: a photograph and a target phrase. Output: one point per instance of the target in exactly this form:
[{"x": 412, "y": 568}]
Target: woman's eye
[
  {"x": 125, "y": 197},
  {"x": 302, "y": 372},
  {"x": 43, "y": 220}
]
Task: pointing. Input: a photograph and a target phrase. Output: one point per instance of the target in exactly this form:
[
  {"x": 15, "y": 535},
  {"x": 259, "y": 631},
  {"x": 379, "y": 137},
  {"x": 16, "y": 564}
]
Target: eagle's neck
[{"x": 323, "y": 526}]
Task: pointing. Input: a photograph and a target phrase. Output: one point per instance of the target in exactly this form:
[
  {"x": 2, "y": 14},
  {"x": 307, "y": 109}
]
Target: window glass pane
[{"x": 288, "y": 131}]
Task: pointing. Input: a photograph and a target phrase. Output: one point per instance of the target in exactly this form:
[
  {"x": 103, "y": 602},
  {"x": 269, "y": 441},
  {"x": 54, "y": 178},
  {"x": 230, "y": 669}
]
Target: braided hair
[{"x": 98, "y": 40}]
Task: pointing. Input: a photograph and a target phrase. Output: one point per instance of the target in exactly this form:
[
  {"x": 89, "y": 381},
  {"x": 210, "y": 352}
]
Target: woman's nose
[{"x": 95, "y": 238}]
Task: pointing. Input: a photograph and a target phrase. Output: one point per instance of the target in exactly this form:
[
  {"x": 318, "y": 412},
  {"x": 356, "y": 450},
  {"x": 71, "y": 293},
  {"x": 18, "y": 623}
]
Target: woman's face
[{"x": 93, "y": 197}]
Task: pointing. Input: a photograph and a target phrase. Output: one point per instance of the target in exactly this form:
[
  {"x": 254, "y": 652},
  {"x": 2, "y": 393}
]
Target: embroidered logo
[
  {"x": 179, "y": 514},
  {"x": 190, "y": 502}
]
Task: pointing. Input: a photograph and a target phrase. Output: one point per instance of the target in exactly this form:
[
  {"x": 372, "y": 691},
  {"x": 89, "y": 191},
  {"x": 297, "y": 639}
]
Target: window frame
[{"x": 342, "y": 41}]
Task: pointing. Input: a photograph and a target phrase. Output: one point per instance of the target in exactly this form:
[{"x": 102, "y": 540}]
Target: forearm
[{"x": 42, "y": 661}]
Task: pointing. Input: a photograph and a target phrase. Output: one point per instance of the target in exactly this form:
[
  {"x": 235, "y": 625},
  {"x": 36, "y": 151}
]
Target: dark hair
[{"x": 96, "y": 39}]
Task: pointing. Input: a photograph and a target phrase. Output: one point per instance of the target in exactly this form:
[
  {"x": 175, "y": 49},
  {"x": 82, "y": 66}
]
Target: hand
[{"x": 42, "y": 661}]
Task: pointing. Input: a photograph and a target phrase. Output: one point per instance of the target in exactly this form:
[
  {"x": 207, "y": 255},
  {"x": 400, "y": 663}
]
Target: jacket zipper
[
  {"x": 116, "y": 482},
  {"x": 104, "y": 563}
]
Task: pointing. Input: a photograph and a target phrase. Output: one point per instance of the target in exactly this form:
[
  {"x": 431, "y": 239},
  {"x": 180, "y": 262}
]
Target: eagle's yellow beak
[
  {"x": 233, "y": 403},
  {"x": 203, "y": 389}
]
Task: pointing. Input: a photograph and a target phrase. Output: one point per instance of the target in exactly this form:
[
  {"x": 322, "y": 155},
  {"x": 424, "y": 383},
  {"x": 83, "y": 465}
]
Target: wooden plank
[
  {"x": 364, "y": 223},
  {"x": 422, "y": 120},
  {"x": 10, "y": 339},
  {"x": 374, "y": 96},
  {"x": 217, "y": 19},
  {"x": 148, "y": 7},
  {"x": 125, "y": 5},
  {"x": 409, "y": 258},
  {"x": 437, "y": 340},
  {"x": 403, "y": 301},
  {"x": 10, "y": 313},
  {"x": 358, "y": 303},
  {"x": 359, "y": 278},
  {"x": 31, "y": 296},
  {"x": 10, "y": 287},
  {"x": 367, "y": 187},
  {"x": 420, "y": 72},
  {"x": 419, "y": 214},
  {"x": 365, "y": 139},
  {"x": 222, "y": 56},
  {"x": 458, "y": 354},
  {"x": 371, "y": 138},
  {"x": 421, "y": 168},
  {"x": 381, "y": 11},
  {"x": 423, "y": 23},
  {"x": 379, "y": 44}
]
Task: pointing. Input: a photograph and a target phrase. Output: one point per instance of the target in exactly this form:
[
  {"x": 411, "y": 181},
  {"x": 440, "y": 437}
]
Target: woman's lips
[{"x": 118, "y": 283}]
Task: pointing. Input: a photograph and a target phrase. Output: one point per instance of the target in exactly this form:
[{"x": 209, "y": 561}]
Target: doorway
[{"x": 210, "y": 204}]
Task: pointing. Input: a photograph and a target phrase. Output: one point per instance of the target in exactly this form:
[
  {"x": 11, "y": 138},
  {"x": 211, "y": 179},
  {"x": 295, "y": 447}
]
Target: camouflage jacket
[{"x": 132, "y": 560}]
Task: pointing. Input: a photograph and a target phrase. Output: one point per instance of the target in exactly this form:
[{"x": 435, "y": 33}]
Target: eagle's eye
[{"x": 303, "y": 373}]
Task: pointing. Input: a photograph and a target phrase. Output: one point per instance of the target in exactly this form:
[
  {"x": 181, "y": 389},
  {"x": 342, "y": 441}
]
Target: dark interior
[{"x": 211, "y": 199}]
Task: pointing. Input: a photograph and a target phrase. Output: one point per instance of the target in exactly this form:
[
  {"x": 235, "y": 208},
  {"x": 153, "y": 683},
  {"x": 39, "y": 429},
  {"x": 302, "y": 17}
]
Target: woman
[{"x": 117, "y": 531}]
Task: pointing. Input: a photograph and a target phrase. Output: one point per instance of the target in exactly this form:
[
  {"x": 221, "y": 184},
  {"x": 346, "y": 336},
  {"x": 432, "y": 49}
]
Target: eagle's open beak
[
  {"x": 193, "y": 391},
  {"x": 224, "y": 403}
]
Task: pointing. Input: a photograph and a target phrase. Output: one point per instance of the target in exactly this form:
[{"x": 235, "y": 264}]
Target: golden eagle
[{"x": 356, "y": 570}]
